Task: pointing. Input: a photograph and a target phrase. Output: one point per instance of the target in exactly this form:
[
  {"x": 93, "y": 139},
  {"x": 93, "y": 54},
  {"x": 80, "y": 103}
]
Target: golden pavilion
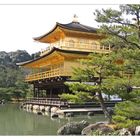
[{"x": 66, "y": 44}]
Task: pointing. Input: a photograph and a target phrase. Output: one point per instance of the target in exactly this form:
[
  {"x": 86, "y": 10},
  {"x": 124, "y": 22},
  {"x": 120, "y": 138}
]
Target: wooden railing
[
  {"x": 46, "y": 101},
  {"x": 61, "y": 103},
  {"x": 88, "y": 47},
  {"x": 48, "y": 74}
]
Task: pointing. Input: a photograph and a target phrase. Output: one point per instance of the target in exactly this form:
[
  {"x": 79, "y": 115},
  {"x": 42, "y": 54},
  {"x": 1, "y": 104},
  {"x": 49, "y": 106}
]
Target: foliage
[
  {"x": 128, "y": 109},
  {"x": 77, "y": 86},
  {"x": 127, "y": 123},
  {"x": 120, "y": 26},
  {"x": 107, "y": 76},
  {"x": 12, "y": 83},
  {"x": 127, "y": 114},
  {"x": 115, "y": 73},
  {"x": 121, "y": 30},
  {"x": 80, "y": 97}
]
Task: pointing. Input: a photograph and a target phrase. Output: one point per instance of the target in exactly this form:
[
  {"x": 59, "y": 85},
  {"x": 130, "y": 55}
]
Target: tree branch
[{"x": 123, "y": 38}]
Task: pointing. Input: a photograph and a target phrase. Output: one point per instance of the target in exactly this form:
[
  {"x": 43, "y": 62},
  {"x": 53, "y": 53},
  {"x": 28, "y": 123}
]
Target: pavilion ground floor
[
  {"x": 50, "y": 88},
  {"x": 46, "y": 98}
]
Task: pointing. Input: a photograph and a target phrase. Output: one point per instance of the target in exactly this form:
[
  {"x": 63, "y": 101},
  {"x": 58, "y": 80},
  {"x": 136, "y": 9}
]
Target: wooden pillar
[
  {"x": 51, "y": 92},
  {"x": 47, "y": 93},
  {"x": 38, "y": 92},
  {"x": 63, "y": 89},
  {"x": 35, "y": 91},
  {"x": 41, "y": 93}
]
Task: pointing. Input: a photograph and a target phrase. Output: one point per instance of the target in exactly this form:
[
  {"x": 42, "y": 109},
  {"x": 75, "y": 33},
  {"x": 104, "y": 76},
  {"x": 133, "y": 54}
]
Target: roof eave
[
  {"x": 50, "y": 52},
  {"x": 41, "y": 37}
]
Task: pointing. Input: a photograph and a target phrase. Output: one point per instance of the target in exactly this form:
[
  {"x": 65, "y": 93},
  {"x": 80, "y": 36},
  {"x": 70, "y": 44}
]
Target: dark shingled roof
[
  {"x": 78, "y": 27},
  {"x": 74, "y": 26}
]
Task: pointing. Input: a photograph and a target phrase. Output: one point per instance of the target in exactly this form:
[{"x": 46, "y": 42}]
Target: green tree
[
  {"x": 12, "y": 83},
  {"x": 127, "y": 114},
  {"x": 121, "y": 27},
  {"x": 122, "y": 30},
  {"x": 115, "y": 73}
]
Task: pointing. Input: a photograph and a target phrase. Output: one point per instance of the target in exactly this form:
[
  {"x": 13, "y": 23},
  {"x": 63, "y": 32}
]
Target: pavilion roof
[{"x": 73, "y": 26}]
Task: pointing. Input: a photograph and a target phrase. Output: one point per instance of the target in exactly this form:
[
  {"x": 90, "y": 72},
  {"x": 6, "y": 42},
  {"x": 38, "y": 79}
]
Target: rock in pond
[
  {"x": 72, "y": 128},
  {"x": 54, "y": 109},
  {"x": 42, "y": 108},
  {"x": 35, "y": 107},
  {"x": 48, "y": 108}
]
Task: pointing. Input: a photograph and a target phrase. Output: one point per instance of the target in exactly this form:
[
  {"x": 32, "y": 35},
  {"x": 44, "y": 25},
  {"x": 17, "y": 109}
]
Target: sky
[{"x": 21, "y": 22}]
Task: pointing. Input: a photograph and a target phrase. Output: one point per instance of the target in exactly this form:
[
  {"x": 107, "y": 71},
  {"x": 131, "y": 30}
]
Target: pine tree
[
  {"x": 121, "y": 27},
  {"x": 115, "y": 73}
]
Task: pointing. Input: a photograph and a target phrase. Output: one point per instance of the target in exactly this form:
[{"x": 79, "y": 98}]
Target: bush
[
  {"x": 128, "y": 109},
  {"x": 127, "y": 114}
]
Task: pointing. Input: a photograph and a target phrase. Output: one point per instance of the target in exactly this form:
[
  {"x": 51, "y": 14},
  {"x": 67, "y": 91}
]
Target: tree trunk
[
  {"x": 101, "y": 100},
  {"x": 106, "y": 113}
]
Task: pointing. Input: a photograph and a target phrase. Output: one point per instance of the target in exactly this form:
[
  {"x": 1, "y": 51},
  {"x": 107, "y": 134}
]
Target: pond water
[{"x": 14, "y": 121}]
